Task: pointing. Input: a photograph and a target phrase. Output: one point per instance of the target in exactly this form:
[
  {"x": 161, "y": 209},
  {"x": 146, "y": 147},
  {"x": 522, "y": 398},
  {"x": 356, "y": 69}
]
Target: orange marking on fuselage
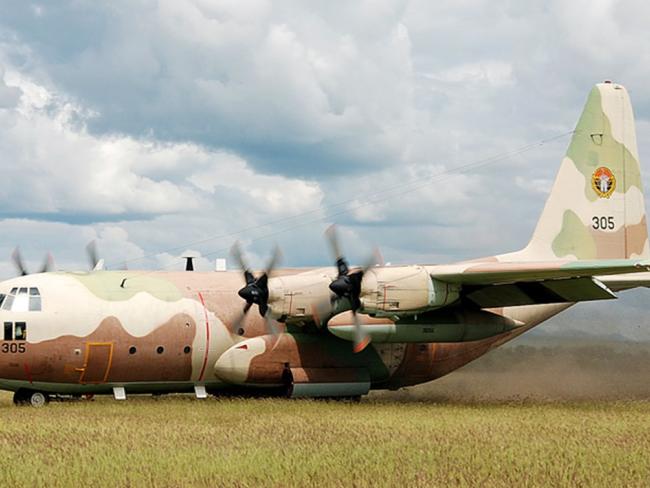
[
  {"x": 109, "y": 362},
  {"x": 207, "y": 338}
]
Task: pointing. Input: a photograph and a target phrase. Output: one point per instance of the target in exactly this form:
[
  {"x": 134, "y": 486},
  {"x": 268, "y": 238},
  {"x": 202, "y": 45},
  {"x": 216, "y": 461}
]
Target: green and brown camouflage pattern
[{"x": 605, "y": 137}]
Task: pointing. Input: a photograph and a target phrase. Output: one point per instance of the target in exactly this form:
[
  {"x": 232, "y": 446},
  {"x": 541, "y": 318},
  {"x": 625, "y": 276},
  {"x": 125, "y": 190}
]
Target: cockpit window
[
  {"x": 22, "y": 300},
  {"x": 8, "y": 302},
  {"x": 34, "y": 300}
]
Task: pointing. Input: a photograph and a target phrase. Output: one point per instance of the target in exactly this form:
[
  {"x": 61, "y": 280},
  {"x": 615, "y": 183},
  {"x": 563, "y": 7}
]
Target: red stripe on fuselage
[
  {"x": 28, "y": 372},
  {"x": 207, "y": 337}
]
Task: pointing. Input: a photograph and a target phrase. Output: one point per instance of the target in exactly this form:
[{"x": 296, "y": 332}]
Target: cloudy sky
[{"x": 163, "y": 127}]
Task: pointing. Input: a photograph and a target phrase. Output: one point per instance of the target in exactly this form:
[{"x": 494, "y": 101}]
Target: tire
[{"x": 38, "y": 399}]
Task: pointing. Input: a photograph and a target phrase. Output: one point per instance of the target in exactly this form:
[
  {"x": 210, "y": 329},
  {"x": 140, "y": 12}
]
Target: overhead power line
[{"x": 334, "y": 209}]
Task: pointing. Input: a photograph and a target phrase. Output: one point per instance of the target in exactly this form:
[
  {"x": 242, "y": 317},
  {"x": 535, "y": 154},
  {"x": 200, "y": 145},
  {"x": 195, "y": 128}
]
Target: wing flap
[{"x": 566, "y": 290}]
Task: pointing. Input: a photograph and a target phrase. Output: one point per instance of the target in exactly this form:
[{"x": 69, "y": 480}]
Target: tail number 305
[{"x": 603, "y": 223}]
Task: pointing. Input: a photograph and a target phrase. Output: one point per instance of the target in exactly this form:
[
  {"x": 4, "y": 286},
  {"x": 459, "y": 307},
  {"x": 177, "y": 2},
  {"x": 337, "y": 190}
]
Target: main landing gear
[{"x": 31, "y": 397}]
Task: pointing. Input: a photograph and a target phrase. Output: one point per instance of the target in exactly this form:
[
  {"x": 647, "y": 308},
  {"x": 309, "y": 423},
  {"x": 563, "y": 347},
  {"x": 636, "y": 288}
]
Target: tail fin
[{"x": 596, "y": 208}]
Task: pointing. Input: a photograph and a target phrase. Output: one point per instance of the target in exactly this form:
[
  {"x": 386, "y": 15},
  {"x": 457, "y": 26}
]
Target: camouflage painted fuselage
[{"x": 167, "y": 331}]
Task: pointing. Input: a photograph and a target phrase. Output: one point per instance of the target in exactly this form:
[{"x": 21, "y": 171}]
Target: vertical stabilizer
[{"x": 596, "y": 208}]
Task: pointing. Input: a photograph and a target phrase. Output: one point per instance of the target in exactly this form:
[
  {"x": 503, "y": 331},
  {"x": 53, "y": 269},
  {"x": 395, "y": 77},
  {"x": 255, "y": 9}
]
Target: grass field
[{"x": 180, "y": 441}]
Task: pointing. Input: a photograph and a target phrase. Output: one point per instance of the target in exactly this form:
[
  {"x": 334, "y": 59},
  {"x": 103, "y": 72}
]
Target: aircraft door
[{"x": 97, "y": 364}]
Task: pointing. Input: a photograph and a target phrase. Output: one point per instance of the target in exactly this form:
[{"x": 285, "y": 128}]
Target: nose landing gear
[{"x": 31, "y": 397}]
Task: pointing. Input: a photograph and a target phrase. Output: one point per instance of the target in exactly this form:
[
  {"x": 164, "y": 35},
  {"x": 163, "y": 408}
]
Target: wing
[{"x": 494, "y": 284}]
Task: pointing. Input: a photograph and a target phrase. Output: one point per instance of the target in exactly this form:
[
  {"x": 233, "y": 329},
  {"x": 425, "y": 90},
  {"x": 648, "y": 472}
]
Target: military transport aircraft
[{"x": 335, "y": 331}]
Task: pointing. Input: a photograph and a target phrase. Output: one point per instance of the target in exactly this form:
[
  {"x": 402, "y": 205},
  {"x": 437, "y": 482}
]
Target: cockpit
[{"x": 23, "y": 299}]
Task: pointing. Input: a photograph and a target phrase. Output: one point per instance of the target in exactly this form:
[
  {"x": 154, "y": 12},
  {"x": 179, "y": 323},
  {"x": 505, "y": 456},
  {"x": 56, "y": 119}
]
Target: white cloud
[
  {"x": 9, "y": 95},
  {"x": 52, "y": 164},
  {"x": 494, "y": 73}
]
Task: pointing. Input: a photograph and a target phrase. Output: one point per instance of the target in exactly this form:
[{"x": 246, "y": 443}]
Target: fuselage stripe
[
  {"x": 28, "y": 372},
  {"x": 207, "y": 337}
]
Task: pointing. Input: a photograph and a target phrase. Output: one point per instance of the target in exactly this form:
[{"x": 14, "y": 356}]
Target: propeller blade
[
  {"x": 273, "y": 262},
  {"x": 48, "y": 264},
  {"x": 236, "y": 253},
  {"x": 263, "y": 308},
  {"x": 262, "y": 282},
  {"x": 17, "y": 259},
  {"x": 248, "y": 276},
  {"x": 323, "y": 309},
  {"x": 333, "y": 240},
  {"x": 361, "y": 339},
  {"x": 373, "y": 260},
  {"x": 271, "y": 326}
]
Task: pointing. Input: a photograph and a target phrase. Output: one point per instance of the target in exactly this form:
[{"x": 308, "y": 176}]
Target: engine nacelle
[
  {"x": 404, "y": 289},
  {"x": 296, "y": 297}
]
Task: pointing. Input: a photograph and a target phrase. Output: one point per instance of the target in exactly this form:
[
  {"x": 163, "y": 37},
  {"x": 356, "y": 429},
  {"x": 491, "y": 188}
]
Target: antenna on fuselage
[{"x": 189, "y": 263}]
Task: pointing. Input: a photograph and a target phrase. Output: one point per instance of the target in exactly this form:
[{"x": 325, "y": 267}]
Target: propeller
[
  {"x": 96, "y": 264},
  {"x": 347, "y": 285},
  {"x": 256, "y": 290},
  {"x": 19, "y": 263}
]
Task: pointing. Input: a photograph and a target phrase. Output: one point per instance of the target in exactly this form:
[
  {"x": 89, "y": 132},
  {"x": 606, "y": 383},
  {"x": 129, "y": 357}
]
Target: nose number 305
[{"x": 12, "y": 347}]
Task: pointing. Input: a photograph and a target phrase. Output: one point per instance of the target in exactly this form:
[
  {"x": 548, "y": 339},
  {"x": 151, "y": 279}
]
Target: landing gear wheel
[
  {"x": 38, "y": 399},
  {"x": 29, "y": 397}
]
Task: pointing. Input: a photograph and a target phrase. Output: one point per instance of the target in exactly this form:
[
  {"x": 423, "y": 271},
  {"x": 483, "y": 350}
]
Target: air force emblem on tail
[{"x": 603, "y": 182}]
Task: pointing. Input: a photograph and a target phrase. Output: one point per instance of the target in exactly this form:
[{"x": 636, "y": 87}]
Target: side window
[
  {"x": 34, "y": 300},
  {"x": 20, "y": 331},
  {"x": 9, "y": 331}
]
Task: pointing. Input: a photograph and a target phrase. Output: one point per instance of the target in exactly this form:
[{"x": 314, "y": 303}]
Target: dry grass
[{"x": 179, "y": 441}]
